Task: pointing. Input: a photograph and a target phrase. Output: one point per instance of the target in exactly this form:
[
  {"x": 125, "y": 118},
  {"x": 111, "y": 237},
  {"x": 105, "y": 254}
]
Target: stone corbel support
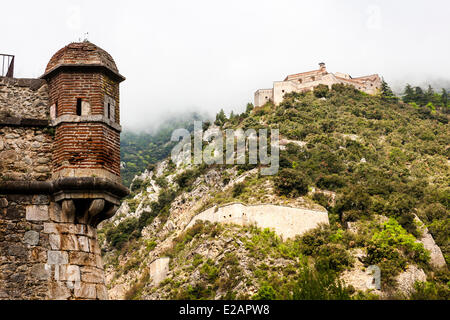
[
  {"x": 87, "y": 211},
  {"x": 88, "y": 200}
]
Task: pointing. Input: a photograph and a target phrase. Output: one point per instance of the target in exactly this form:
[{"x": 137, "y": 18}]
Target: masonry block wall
[
  {"x": 19, "y": 97},
  {"x": 59, "y": 175},
  {"x": 44, "y": 254},
  {"x": 25, "y": 144}
]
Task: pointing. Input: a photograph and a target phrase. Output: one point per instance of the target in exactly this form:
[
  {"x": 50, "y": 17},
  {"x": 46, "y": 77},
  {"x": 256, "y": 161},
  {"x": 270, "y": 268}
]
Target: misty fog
[{"x": 203, "y": 55}]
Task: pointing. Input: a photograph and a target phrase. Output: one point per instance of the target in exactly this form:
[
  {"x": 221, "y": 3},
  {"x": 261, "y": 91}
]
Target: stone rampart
[{"x": 287, "y": 222}]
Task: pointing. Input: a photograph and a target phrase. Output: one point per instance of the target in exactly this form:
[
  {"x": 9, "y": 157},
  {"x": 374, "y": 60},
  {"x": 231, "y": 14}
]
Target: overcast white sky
[{"x": 206, "y": 54}]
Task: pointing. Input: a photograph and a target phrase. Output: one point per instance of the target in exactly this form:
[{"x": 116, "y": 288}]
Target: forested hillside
[
  {"x": 379, "y": 165},
  {"x": 139, "y": 150}
]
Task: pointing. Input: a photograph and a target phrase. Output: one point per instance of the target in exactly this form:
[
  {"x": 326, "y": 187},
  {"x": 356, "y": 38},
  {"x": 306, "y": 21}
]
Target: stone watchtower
[{"x": 60, "y": 175}]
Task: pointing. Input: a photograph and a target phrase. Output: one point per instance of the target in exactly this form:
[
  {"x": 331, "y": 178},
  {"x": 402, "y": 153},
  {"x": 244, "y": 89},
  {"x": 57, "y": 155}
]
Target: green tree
[
  {"x": 444, "y": 98},
  {"x": 321, "y": 91},
  {"x": 408, "y": 94},
  {"x": 313, "y": 285},
  {"x": 429, "y": 94},
  {"x": 419, "y": 96},
  {"x": 249, "y": 108},
  {"x": 291, "y": 182},
  {"x": 394, "y": 236},
  {"x": 386, "y": 92},
  {"x": 221, "y": 118},
  {"x": 266, "y": 292}
]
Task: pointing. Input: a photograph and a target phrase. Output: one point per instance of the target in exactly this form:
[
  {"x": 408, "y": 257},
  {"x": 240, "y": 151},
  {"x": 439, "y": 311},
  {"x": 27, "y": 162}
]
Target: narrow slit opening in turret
[{"x": 78, "y": 106}]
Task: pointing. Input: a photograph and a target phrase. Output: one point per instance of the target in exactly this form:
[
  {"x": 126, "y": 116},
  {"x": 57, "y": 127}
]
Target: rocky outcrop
[
  {"x": 437, "y": 259},
  {"x": 158, "y": 270},
  {"x": 407, "y": 279},
  {"x": 360, "y": 277},
  {"x": 287, "y": 217},
  {"x": 364, "y": 278}
]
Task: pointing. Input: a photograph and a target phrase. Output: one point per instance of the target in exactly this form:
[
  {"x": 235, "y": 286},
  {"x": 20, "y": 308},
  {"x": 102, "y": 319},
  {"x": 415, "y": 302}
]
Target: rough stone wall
[
  {"x": 280, "y": 88},
  {"x": 23, "y": 98},
  {"x": 437, "y": 259},
  {"x": 285, "y": 221},
  {"x": 262, "y": 96},
  {"x": 25, "y": 153},
  {"x": 307, "y": 81},
  {"x": 44, "y": 254},
  {"x": 307, "y": 76},
  {"x": 365, "y": 84},
  {"x": 59, "y": 175},
  {"x": 23, "y": 247}
]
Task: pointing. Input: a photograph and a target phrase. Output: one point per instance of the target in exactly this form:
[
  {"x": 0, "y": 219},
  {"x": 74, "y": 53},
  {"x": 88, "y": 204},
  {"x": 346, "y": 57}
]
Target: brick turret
[
  {"x": 59, "y": 175},
  {"x": 84, "y": 95}
]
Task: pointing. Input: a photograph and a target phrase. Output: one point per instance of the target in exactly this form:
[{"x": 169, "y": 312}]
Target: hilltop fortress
[
  {"x": 306, "y": 81},
  {"x": 59, "y": 174}
]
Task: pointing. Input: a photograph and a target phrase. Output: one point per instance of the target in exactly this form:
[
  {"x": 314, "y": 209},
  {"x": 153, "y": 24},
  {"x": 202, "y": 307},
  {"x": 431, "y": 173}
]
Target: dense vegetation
[
  {"x": 381, "y": 156},
  {"x": 418, "y": 97},
  {"x": 297, "y": 279},
  {"x": 280, "y": 269}
]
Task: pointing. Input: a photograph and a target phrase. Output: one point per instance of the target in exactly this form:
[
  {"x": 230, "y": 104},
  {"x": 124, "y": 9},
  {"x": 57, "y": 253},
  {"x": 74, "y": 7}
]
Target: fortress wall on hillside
[
  {"x": 262, "y": 96},
  {"x": 287, "y": 222},
  {"x": 307, "y": 81}
]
